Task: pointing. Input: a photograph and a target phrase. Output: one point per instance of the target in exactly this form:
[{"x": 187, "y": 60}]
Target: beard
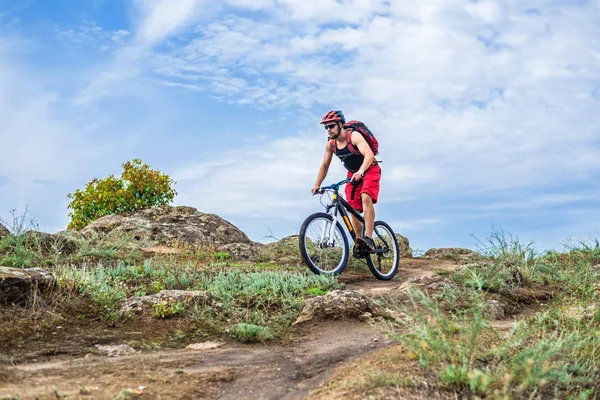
[{"x": 337, "y": 134}]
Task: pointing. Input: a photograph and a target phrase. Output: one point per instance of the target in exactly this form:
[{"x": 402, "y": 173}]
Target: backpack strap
[
  {"x": 351, "y": 147},
  {"x": 333, "y": 146}
]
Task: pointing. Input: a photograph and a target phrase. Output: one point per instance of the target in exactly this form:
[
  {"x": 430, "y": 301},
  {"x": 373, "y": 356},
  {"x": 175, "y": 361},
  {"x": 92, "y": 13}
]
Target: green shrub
[
  {"x": 251, "y": 333},
  {"x": 15, "y": 249},
  {"x": 138, "y": 187},
  {"x": 166, "y": 309}
]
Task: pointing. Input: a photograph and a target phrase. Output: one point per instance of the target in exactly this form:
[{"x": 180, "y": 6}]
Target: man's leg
[
  {"x": 369, "y": 214},
  {"x": 357, "y": 225}
]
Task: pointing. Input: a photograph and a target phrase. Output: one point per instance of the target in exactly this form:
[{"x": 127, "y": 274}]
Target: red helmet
[{"x": 333, "y": 115}]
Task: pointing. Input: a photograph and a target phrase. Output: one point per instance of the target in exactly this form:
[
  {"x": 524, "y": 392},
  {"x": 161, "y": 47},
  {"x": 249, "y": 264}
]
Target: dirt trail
[{"x": 233, "y": 371}]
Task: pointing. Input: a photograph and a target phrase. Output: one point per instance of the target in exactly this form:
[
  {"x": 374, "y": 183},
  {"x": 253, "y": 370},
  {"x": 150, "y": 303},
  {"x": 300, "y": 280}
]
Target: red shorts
[{"x": 369, "y": 185}]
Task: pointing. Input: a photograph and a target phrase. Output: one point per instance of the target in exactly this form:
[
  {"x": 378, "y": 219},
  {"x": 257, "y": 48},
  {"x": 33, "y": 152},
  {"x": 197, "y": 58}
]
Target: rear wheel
[
  {"x": 322, "y": 254},
  {"x": 384, "y": 265}
]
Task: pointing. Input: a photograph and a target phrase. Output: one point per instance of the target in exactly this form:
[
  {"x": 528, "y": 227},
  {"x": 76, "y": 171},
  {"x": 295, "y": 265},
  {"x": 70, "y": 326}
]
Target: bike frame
[{"x": 339, "y": 206}]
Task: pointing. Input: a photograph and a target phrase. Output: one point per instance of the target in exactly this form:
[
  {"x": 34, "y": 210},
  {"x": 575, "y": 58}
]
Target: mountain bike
[{"x": 324, "y": 245}]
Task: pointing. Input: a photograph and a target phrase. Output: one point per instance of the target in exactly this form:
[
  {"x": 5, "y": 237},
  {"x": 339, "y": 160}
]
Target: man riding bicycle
[{"x": 362, "y": 168}]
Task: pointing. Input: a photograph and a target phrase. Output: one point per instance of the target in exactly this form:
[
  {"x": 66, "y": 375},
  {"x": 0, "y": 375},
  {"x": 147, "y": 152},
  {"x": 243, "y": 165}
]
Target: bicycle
[{"x": 324, "y": 245}]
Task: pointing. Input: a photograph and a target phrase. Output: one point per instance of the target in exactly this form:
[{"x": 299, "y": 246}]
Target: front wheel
[
  {"x": 321, "y": 253},
  {"x": 384, "y": 265}
]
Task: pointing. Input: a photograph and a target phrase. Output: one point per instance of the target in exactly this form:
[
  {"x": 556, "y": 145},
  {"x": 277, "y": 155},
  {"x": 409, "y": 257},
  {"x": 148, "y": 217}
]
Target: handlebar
[{"x": 334, "y": 186}]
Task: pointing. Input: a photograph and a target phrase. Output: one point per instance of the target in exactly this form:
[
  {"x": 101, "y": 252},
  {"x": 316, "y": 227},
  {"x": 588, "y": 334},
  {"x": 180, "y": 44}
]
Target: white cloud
[
  {"x": 464, "y": 96},
  {"x": 91, "y": 34},
  {"x": 161, "y": 18},
  {"x": 270, "y": 180},
  {"x": 157, "y": 21}
]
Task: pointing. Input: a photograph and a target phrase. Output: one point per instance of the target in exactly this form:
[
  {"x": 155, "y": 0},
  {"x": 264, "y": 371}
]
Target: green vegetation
[
  {"x": 445, "y": 333},
  {"x": 138, "y": 187},
  {"x": 250, "y": 333},
  {"x": 553, "y": 354}
]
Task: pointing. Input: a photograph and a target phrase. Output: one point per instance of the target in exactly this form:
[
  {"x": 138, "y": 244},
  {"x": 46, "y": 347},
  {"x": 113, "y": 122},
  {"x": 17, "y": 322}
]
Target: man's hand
[
  {"x": 358, "y": 175},
  {"x": 314, "y": 189}
]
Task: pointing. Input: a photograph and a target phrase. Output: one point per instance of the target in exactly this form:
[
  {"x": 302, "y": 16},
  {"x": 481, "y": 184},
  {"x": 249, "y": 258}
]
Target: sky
[{"x": 487, "y": 112}]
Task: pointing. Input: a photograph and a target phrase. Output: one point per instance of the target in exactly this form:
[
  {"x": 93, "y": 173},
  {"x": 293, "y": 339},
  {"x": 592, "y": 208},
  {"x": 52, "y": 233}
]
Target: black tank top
[{"x": 351, "y": 161}]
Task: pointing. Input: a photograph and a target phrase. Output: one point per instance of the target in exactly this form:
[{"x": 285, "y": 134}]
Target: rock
[
  {"x": 22, "y": 286},
  {"x": 204, "y": 346},
  {"x": 494, "y": 310},
  {"x": 40, "y": 241},
  {"x": 365, "y": 317},
  {"x": 68, "y": 242},
  {"x": 285, "y": 251},
  {"x": 186, "y": 297},
  {"x": 454, "y": 254},
  {"x": 116, "y": 350},
  {"x": 340, "y": 304},
  {"x": 426, "y": 283},
  {"x": 404, "y": 246},
  {"x": 174, "y": 227},
  {"x": 244, "y": 251},
  {"x": 4, "y": 232},
  {"x": 64, "y": 242},
  {"x": 164, "y": 250}
]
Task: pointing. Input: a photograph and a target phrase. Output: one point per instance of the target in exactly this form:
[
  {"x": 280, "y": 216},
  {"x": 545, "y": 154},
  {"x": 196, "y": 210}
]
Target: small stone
[
  {"x": 116, "y": 350},
  {"x": 204, "y": 346}
]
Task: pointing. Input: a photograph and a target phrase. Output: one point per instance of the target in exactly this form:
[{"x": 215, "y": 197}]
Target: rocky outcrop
[
  {"x": 341, "y": 304},
  {"x": 140, "y": 304},
  {"x": 454, "y": 254},
  {"x": 23, "y": 286},
  {"x": 4, "y": 232},
  {"x": 64, "y": 242},
  {"x": 175, "y": 227},
  {"x": 284, "y": 251},
  {"x": 404, "y": 246}
]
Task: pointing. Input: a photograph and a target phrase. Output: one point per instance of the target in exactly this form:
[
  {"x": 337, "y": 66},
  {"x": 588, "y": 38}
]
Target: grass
[
  {"x": 554, "y": 354},
  {"x": 252, "y": 301},
  {"x": 104, "y": 273}
]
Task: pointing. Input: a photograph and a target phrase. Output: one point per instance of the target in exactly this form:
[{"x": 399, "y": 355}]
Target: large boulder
[
  {"x": 285, "y": 251},
  {"x": 4, "y": 232},
  {"x": 341, "y": 304},
  {"x": 404, "y": 246},
  {"x": 23, "y": 286},
  {"x": 173, "y": 227}
]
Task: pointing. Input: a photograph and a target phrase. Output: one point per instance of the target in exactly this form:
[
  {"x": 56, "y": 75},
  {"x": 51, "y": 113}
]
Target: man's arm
[
  {"x": 324, "y": 167},
  {"x": 361, "y": 144}
]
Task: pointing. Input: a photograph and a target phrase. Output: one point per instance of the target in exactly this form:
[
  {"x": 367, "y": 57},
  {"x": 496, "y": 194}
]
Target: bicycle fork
[{"x": 329, "y": 230}]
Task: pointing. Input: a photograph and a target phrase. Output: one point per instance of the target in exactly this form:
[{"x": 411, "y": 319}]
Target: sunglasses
[{"x": 330, "y": 126}]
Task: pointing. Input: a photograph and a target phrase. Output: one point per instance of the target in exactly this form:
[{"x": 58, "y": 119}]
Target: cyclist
[{"x": 362, "y": 169}]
